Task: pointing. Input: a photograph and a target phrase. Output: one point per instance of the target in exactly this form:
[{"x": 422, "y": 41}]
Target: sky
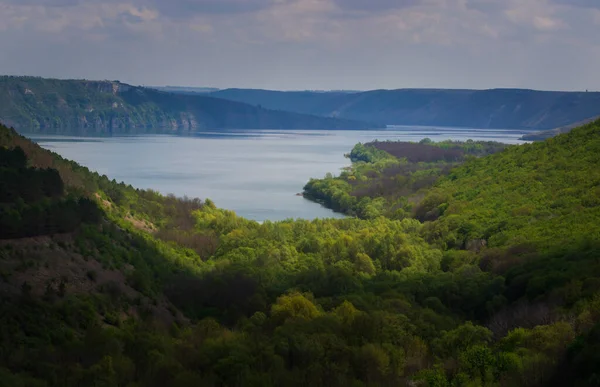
[{"x": 307, "y": 44}]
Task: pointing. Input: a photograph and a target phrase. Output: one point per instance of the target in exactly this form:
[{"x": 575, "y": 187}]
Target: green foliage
[
  {"x": 367, "y": 154},
  {"x": 294, "y": 306},
  {"x": 33, "y": 201},
  {"x": 542, "y": 193},
  {"x": 386, "y": 178},
  {"x": 178, "y": 292}
]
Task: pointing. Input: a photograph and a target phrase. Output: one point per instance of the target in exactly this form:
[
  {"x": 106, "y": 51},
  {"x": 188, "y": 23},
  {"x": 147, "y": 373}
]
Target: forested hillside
[
  {"x": 546, "y": 134},
  {"x": 490, "y": 278},
  {"x": 104, "y": 107},
  {"x": 388, "y": 178},
  {"x": 496, "y": 108}
]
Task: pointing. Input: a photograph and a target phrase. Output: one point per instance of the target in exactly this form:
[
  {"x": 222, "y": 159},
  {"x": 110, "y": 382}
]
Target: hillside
[
  {"x": 491, "y": 279},
  {"x": 497, "y": 108},
  {"x": 545, "y": 194},
  {"x": 506, "y": 198},
  {"x": 100, "y": 107},
  {"x": 388, "y": 178},
  {"x": 546, "y": 134},
  {"x": 184, "y": 89}
]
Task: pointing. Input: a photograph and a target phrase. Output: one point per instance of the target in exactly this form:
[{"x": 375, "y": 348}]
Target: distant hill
[
  {"x": 185, "y": 89},
  {"x": 60, "y": 106},
  {"x": 545, "y": 134},
  {"x": 496, "y": 108}
]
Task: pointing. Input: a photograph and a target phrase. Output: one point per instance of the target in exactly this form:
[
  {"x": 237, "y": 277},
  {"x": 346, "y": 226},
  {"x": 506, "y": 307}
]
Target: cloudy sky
[{"x": 307, "y": 44}]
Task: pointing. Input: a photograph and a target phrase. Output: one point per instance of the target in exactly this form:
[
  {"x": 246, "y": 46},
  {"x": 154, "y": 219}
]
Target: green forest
[
  {"x": 461, "y": 264},
  {"x": 387, "y": 178}
]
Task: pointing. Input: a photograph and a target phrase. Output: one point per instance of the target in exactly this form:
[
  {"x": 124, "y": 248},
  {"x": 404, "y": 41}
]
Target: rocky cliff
[{"x": 72, "y": 106}]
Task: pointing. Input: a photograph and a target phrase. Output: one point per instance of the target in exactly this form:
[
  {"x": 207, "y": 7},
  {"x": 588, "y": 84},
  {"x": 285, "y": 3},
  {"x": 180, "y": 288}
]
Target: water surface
[{"x": 256, "y": 173}]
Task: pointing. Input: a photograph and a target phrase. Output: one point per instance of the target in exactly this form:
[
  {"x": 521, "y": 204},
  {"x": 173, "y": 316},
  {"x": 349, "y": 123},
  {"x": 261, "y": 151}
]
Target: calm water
[{"x": 255, "y": 173}]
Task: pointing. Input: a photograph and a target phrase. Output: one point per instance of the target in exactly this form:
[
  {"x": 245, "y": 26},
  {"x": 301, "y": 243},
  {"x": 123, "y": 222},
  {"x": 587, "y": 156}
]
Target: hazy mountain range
[
  {"x": 60, "y": 106},
  {"x": 496, "y": 108}
]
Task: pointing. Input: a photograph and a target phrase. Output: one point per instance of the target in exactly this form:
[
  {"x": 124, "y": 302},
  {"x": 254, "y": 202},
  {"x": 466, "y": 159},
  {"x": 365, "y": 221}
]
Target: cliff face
[{"x": 72, "y": 106}]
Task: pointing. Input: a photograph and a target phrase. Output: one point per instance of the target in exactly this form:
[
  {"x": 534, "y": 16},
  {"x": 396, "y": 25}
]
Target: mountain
[
  {"x": 496, "y": 108},
  {"x": 59, "y": 106},
  {"x": 489, "y": 277},
  {"x": 546, "y": 134}
]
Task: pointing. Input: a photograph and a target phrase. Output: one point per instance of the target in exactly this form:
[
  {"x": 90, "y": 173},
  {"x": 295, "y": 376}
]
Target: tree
[
  {"x": 467, "y": 335},
  {"x": 374, "y": 363},
  {"x": 293, "y": 306}
]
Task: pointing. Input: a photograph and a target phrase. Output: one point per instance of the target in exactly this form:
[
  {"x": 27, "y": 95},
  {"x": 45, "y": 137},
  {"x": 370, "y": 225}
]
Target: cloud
[
  {"x": 305, "y": 43},
  {"x": 375, "y": 5},
  {"x": 44, "y": 3},
  {"x": 487, "y": 6},
  {"x": 547, "y": 24},
  {"x": 578, "y": 3},
  {"x": 178, "y": 8},
  {"x": 184, "y": 8}
]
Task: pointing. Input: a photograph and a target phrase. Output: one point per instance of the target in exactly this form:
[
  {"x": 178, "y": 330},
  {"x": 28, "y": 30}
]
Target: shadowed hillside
[
  {"x": 497, "y": 108},
  {"x": 103, "y": 107}
]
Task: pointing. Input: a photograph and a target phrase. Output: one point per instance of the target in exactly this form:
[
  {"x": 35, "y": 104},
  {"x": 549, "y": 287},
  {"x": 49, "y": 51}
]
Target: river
[{"x": 256, "y": 173}]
